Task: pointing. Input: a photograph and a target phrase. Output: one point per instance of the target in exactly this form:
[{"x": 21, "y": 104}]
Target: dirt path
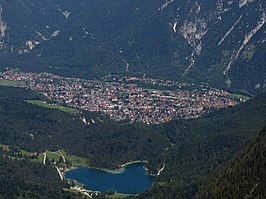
[
  {"x": 159, "y": 172},
  {"x": 44, "y": 158}
]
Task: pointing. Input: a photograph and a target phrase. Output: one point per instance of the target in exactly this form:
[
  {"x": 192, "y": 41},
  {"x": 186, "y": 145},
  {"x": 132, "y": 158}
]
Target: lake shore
[
  {"x": 115, "y": 171},
  {"x": 120, "y": 170},
  {"x": 134, "y": 162}
]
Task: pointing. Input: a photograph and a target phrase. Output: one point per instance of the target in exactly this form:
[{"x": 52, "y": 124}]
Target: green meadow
[
  {"x": 4, "y": 82},
  {"x": 54, "y": 106}
]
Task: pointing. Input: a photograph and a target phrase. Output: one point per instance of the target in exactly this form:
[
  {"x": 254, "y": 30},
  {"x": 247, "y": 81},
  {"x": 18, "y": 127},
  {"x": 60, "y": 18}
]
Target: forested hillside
[
  {"x": 203, "y": 145},
  {"x": 205, "y": 43},
  {"x": 244, "y": 177},
  {"x": 191, "y": 150},
  {"x": 104, "y": 143},
  {"x": 24, "y": 179}
]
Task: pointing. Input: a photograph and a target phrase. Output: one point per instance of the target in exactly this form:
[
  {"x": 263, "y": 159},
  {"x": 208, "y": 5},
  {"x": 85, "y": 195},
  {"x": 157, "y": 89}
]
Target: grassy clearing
[
  {"x": 72, "y": 160},
  {"x": 118, "y": 195},
  {"x": 50, "y": 155},
  {"x": 52, "y": 106},
  {"x": 53, "y": 156},
  {"x": 75, "y": 192},
  {"x": 5, "y": 147},
  {"x": 240, "y": 97},
  {"x": 162, "y": 184},
  {"x": 39, "y": 159},
  {"x": 75, "y": 183},
  {"x": 23, "y": 152},
  {"x": 4, "y": 82},
  {"x": 75, "y": 160},
  {"x": 16, "y": 69}
]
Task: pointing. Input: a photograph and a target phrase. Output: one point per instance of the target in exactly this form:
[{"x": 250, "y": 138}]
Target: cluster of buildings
[
  {"x": 84, "y": 191},
  {"x": 123, "y": 98},
  {"x": 149, "y": 81}
]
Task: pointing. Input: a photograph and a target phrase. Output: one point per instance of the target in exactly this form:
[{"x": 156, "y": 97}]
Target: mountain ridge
[{"x": 219, "y": 42}]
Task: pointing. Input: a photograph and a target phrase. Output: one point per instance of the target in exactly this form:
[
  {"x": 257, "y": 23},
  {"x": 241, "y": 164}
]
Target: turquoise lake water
[{"x": 131, "y": 180}]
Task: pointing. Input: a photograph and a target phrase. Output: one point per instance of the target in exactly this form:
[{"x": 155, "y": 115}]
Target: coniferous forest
[
  {"x": 24, "y": 179},
  {"x": 243, "y": 177},
  {"x": 192, "y": 150},
  {"x": 148, "y": 62}
]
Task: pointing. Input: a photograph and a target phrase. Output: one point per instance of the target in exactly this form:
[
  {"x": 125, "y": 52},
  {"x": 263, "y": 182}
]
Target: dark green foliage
[
  {"x": 192, "y": 150},
  {"x": 17, "y": 94},
  {"x": 244, "y": 177},
  {"x": 105, "y": 144},
  {"x": 203, "y": 145},
  {"x": 23, "y": 179}
]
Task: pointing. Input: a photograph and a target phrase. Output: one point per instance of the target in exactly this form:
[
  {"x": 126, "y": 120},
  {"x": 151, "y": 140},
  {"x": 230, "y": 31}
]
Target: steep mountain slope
[
  {"x": 25, "y": 24},
  {"x": 201, "y": 146},
  {"x": 221, "y": 42},
  {"x": 244, "y": 177}
]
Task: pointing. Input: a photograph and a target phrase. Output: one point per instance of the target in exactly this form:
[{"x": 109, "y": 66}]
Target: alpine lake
[{"x": 129, "y": 179}]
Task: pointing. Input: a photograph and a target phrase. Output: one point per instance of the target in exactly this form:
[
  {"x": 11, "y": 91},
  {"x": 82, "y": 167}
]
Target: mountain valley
[
  {"x": 176, "y": 87},
  {"x": 220, "y": 42}
]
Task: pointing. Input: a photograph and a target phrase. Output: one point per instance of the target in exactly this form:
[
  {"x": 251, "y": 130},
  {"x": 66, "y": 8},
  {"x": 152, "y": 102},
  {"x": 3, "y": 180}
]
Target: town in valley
[{"x": 148, "y": 100}]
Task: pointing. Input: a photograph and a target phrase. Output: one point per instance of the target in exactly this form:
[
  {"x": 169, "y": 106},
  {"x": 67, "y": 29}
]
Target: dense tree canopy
[
  {"x": 24, "y": 179},
  {"x": 244, "y": 177},
  {"x": 191, "y": 149},
  {"x": 203, "y": 145},
  {"x": 105, "y": 143}
]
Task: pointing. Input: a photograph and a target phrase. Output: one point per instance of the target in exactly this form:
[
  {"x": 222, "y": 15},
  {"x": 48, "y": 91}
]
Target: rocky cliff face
[
  {"x": 25, "y": 24},
  {"x": 220, "y": 42},
  {"x": 222, "y": 34}
]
